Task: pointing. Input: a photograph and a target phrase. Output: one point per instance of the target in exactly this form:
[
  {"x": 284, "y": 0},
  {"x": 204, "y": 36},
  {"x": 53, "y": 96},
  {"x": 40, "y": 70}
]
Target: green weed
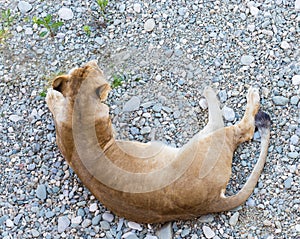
[
  {"x": 117, "y": 81},
  {"x": 49, "y": 24},
  {"x": 87, "y": 30}
]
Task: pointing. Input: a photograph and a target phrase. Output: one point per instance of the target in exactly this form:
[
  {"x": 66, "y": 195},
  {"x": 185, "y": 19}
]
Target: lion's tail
[{"x": 263, "y": 123}]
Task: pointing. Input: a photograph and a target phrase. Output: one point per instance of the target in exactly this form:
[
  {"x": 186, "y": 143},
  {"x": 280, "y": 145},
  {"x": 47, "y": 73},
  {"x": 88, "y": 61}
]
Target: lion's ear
[
  {"x": 58, "y": 82},
  {"x": 103, "y": 91}
]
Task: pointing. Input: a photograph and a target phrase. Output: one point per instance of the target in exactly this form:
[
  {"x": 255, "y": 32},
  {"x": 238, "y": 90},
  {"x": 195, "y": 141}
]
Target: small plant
[
  {"x": 43, "y": 94},
  {"x": 87, "y": 30},
  {"x": 49, "y": 24},
  {"x": 117, "y": 81},
  {"x": 102, "y": 5},
  {"x": 6, "y": 20}
]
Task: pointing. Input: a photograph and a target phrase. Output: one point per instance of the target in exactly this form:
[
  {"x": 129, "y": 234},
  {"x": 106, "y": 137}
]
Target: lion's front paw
[
  {"x": 53, "y": 98},
  {"x": 253, "y": 99}
]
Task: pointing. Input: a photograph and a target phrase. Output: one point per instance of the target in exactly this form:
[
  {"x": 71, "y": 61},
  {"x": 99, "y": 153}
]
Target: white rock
[
  {"x": 137, "y": 7},
  {"x": 28, "y": 31},
  {"x": 99, "y": 40},
  {"x": 247, "y": 59},
  {"x": 19, "y": 28},
  {"x": 297, "y": 227},
  {"x": 135, "y": 226},
  {"x": 62, "y": 224},
  {"x": 228, "y": 113},
  {"x": 149, "y": 25},
  {"x": 15, "y": 118},
  {"x": 24, "y": 6},
  {"x": 9, "y": 223},
  {"x": 297, "y": 5},
  {"x": 132, "y": 105},
  {"x": 234, "y": 219},
  {"x": 296, "y": 80},
  {"x": 251, "y": 27},
  {"x": 108, "y": 217},
  {"x": 208, "y": 232},
  {"x": 203, "y": 104},
  {"x": 93, "y": 207},
  {"x": 285, "y": 45},
  {"x": 76, "y": 220},
  {"x": 150, "y": 237},
  {"x": 65, "y": 13},
  {"x": 165, "y": 232},
  {"x": 254, "y": 11}
]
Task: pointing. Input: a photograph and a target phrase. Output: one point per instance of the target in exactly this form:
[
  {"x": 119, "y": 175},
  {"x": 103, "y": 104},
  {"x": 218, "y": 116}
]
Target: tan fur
[{"x": 149, "y": 182}]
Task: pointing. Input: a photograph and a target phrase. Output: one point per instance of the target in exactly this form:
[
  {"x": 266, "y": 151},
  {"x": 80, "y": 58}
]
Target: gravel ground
[{"x": 162, "y": 53}]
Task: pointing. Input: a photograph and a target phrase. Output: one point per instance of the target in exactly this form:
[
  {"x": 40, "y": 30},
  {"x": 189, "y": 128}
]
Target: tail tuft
[{"x": 262, "y": 120}]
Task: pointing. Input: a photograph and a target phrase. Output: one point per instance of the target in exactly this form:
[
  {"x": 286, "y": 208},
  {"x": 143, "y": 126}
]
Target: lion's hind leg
[{"x": 215, "y": 120}]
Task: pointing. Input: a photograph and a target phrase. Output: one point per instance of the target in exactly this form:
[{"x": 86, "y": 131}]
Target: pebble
[
  {"x": 222, "y": 95},
  {"x": 65, "y": 13},
  {"x": 135, "y": 226},
  {"x": 294, "y": 139},
  {"x": 28, "y": 31},
  {"x": 145, "y": 130},
  {"x": 157, "y": 108},
  {"x": 35, "y": 233},
  {"x": 247, "y": 60},
  {"x": 294, "y": 100},
  {"x": 108, "y": 217},
  {"x": 234, "y": 219},
  {"x": 280, "y": 100},
  {"x": 297, "y": 5},
  {"x": 129, "y": 235},
  {"x": 96, "y": 220},
  {"x": 15, "y": 118},
  {"x": 137, "y": 7},
  {"x": 93, "y": 207},
  {"x": 208, "y": 233},
  {"x": 24, "y": 7},
  {"x": 86, "y": 223},
  {"x": 9, "y": 223},
  {"x": 228, "y": 113},
  {"x": 285, "y": 45},
  {"x": 41, "y": 192},
  {"x": 296, "y": 80},
  {"x": 62, "y": 224},
  {"x": 165, "y": 232},
  {"x": 149, "y": 25},
  {"x": 288, "y": 183},
  {"x": 132, "y": 105},
  {"x": 99, "y": 40},
  {"x": 76, "y": 220},
  {"x": 104, "y": 225}
]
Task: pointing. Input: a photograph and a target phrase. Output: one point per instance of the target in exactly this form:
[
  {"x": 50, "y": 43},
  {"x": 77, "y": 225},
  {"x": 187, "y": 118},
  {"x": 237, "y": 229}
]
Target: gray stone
[
  {"x": 15, "y": 118},
  {"x": 129, "y": 235},
  {"x": 294, "y": 100},
  {"x": 135, "y": 226},
  {"x": 288, "y": 183},
  {"x": 104, "y": 225},
  {"x": 108, "y": 217},
  {"x": 41, "y": 192},
  {"x": 137, "y": 7},
  {"x": 208, "y": 233},
  {"x": 99, "y": 40},
  {"x": 185, "y": 232},
  {"x": 206, "y": 218},
  {"x": 280, "y": 100},
  {"x": 182, "y": 11},
  {"x": 76, "y": 220},
  {"x": 297, "y": 5},
  {"x": 86, "y": 223},
  {"x": 293, "y": 155},
  {"x": 228, "y": 113},
  {"x": 9, "y": 223},
  {"x": 132, "y": 105},
  {"x": 234, "y": 219},
  {"x": 146, "y": 130},
  {"x": 294, "y": 139},
  {"x": 35, "y": 233},
  {"x": 96, "y": 220},
  {"x": 65, "y": 13},
  {"x": 165, "y": 232},
  {"x": 157, "y": 107},
  {"x": 62, "y": 224},
  {"x": 296, "y": 80},
  {"x": 24, "y": 6},
  {"x": 247, "y": 60},
  {"x": 222, "y": 95},
  {"x": 149, "y": 25}
]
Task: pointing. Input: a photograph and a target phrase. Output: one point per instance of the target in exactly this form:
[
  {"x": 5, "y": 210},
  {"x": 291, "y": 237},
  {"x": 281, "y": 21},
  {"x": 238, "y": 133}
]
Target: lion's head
[{"x": 88, "y": 78}]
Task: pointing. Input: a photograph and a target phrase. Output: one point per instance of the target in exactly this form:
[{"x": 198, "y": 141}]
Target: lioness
[{"x": 150, "y": 182}]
